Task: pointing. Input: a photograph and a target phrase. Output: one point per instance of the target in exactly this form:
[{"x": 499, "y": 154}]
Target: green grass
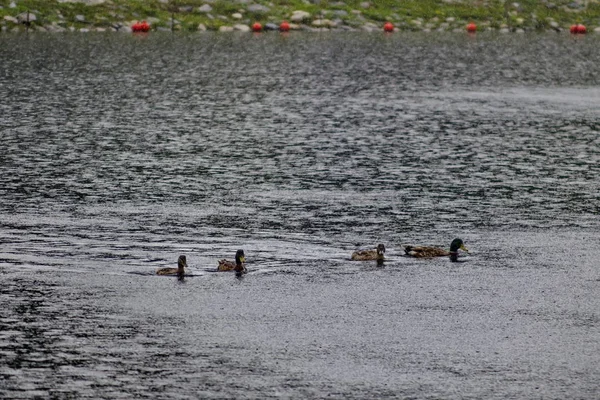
[{"x": 530, "y": 14}]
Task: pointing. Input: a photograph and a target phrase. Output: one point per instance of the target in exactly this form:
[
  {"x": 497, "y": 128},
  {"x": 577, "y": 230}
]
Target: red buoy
[
  {"x": 471, "y": 28},
  {"x": 284, "y": 26},
  {"x": 388, "y": 27},
  {"x": 581, "y": 29},
  {"x": 573, "y": 29},
  {"x": 256, "y": 27},
  {"x": 140, "y": 27}
]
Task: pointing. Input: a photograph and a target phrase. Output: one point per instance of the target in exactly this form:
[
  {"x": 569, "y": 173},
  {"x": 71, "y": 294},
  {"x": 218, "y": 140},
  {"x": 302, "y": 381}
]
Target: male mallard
[
  {"x": 237, "y": 266},
  {"x": 179, "y": 271},
  {"x": 425, "y": 252},
  {"x": 367, "y": 255}
]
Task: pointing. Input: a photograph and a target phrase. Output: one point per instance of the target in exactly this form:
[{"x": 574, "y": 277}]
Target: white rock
[
  {"x": 450, "y": 19},
  {"x": 11, "y": 19},
  {"x": 237, "y": 16},
  {"x": 225, "y": 29},
  {"x": 206, "y": 8},
  {"x": 241, "y": 28},
  {"x": 258, "y": 8},
  {"x": 597, "y": 30},
  {"x": 299, "y": 16},
  {"x": 202, "y": 27},
  {"x": 12, "y": 5},
  {"x": 80, "y": 18},
  {"x": 23, "y": 17},
  {"x": 365, "y": 4},
  {"x": 84, "y": 30},
  {"x": 370, "y": 27}
]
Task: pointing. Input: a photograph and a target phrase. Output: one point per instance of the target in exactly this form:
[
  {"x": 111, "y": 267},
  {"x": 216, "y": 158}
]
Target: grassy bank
[{"x": 191, "y": 15}]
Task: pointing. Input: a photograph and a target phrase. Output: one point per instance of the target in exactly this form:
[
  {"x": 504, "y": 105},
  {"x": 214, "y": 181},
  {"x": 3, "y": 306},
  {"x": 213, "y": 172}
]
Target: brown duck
[
  {"x": 429, "y": 252},
  {"x": 369, "y": 255},
  {"x": 237, "y": 266},
  {"x": 179, "y": 271}
]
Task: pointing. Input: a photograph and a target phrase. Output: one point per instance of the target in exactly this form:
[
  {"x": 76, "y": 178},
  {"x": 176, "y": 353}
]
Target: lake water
[{"x": 119, "y": 153}]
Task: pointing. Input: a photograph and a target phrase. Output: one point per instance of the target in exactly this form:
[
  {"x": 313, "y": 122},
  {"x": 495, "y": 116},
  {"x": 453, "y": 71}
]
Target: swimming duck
[
  {"x": 367, "y": 255},
  {"x": 237, "y": 266},
  {"x": 427, "y": 252},
  {"x": 179, "y": 271}
]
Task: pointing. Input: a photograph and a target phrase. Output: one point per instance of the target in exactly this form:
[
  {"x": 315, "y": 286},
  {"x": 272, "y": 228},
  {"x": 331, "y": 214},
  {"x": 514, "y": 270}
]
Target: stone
[
  {"x": 23, "y": 17},
  {"x": 153, "y": 20},
  {"x": 201, "y": 27},
  {"x": 237, "y": 16},
  {"x": 370, "y": 27},
  {"x": 80, "y": 18},
  {"x": 365, "y": 4},
  {"x": 258, "y": 8},
  {"x": 12, "y": 5},
  {"x": 84, "y": 30},
  {"x": 300, "y": 16},
  {"x": 11, "y": 19},
  {"x": 186, "y": 9},
  {"x": 340, "y": 13},
  {"x": 225, "y": 29},
  {"x": 597, "y": 30},
  {"x": 271, "y": 27},
  {"x": 241, "y": 28},
  {"x": 205, "y": 8}
]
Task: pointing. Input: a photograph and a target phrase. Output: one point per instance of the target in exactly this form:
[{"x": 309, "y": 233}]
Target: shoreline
[{"x": 302, "y": 15}]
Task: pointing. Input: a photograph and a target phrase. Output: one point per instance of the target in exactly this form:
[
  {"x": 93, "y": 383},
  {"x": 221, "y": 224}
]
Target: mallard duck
[
  {"x": 237, "y": 266},
  {"x": 368, "y": 255},
  {"x": 179, "y": 271},
  {"x": 427, "y": 252}
]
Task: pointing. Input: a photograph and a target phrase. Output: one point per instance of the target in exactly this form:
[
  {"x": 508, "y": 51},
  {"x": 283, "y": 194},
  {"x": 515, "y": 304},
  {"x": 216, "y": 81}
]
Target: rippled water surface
[{"x": 119, "y": 153}]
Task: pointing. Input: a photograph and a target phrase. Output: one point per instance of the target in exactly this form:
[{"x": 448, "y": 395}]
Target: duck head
[
  {"x": 380, "y": 249},
  {"x": 181, "y": 262},
  {"x": 457, "y": 244},
  {"x": 239, "y": 257}
]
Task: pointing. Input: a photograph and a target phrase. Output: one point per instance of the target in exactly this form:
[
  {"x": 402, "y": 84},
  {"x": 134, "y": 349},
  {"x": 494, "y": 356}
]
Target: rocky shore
[{"x": 305, "y": 15}]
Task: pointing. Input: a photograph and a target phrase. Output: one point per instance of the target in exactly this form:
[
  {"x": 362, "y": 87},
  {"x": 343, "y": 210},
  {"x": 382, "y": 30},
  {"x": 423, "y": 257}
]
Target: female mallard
[
  {"x": 237, "y": 266},
  {"x": 179, "y": 271},
  {"x": 426, "y": 252},
  {"x": 368, "y": 255}
]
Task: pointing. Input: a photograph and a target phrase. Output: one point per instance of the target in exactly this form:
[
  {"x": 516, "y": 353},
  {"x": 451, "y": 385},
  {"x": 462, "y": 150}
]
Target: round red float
[
  {"x": 581, "y": 29},
  {"x": 573, "y": 29},
  {"x": 284, "y": 27},
  {"x": 388, "y": 27},
  {"x": 257, "y": 27},
  {"x": 140, "y": 27},
  {"x": 471, "y": 28}
]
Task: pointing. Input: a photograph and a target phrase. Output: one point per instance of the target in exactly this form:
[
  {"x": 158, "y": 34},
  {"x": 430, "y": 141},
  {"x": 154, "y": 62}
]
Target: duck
[
  {"x": 237, "y": 266},
  {"x": 368, "y": 255},
  {"x": 429, "y": 252},
  {"x": 179, "y": 271}
]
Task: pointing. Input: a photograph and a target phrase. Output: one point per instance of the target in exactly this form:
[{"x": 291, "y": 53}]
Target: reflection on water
[{"x": 120, "y": 153}]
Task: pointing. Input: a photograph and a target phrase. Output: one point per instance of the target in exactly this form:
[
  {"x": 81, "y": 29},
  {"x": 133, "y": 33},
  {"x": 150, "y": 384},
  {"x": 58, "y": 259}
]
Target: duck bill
[
  {"x": 462, "y": 247},
  {"x": 243, "y": 259}
]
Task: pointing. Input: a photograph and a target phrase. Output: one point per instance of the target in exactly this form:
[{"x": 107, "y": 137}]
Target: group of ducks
[{"x": 361, "y": 255}]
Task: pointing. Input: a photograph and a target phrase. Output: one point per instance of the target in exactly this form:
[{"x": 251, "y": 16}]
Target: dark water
[{"x": 118, "y": 153}]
